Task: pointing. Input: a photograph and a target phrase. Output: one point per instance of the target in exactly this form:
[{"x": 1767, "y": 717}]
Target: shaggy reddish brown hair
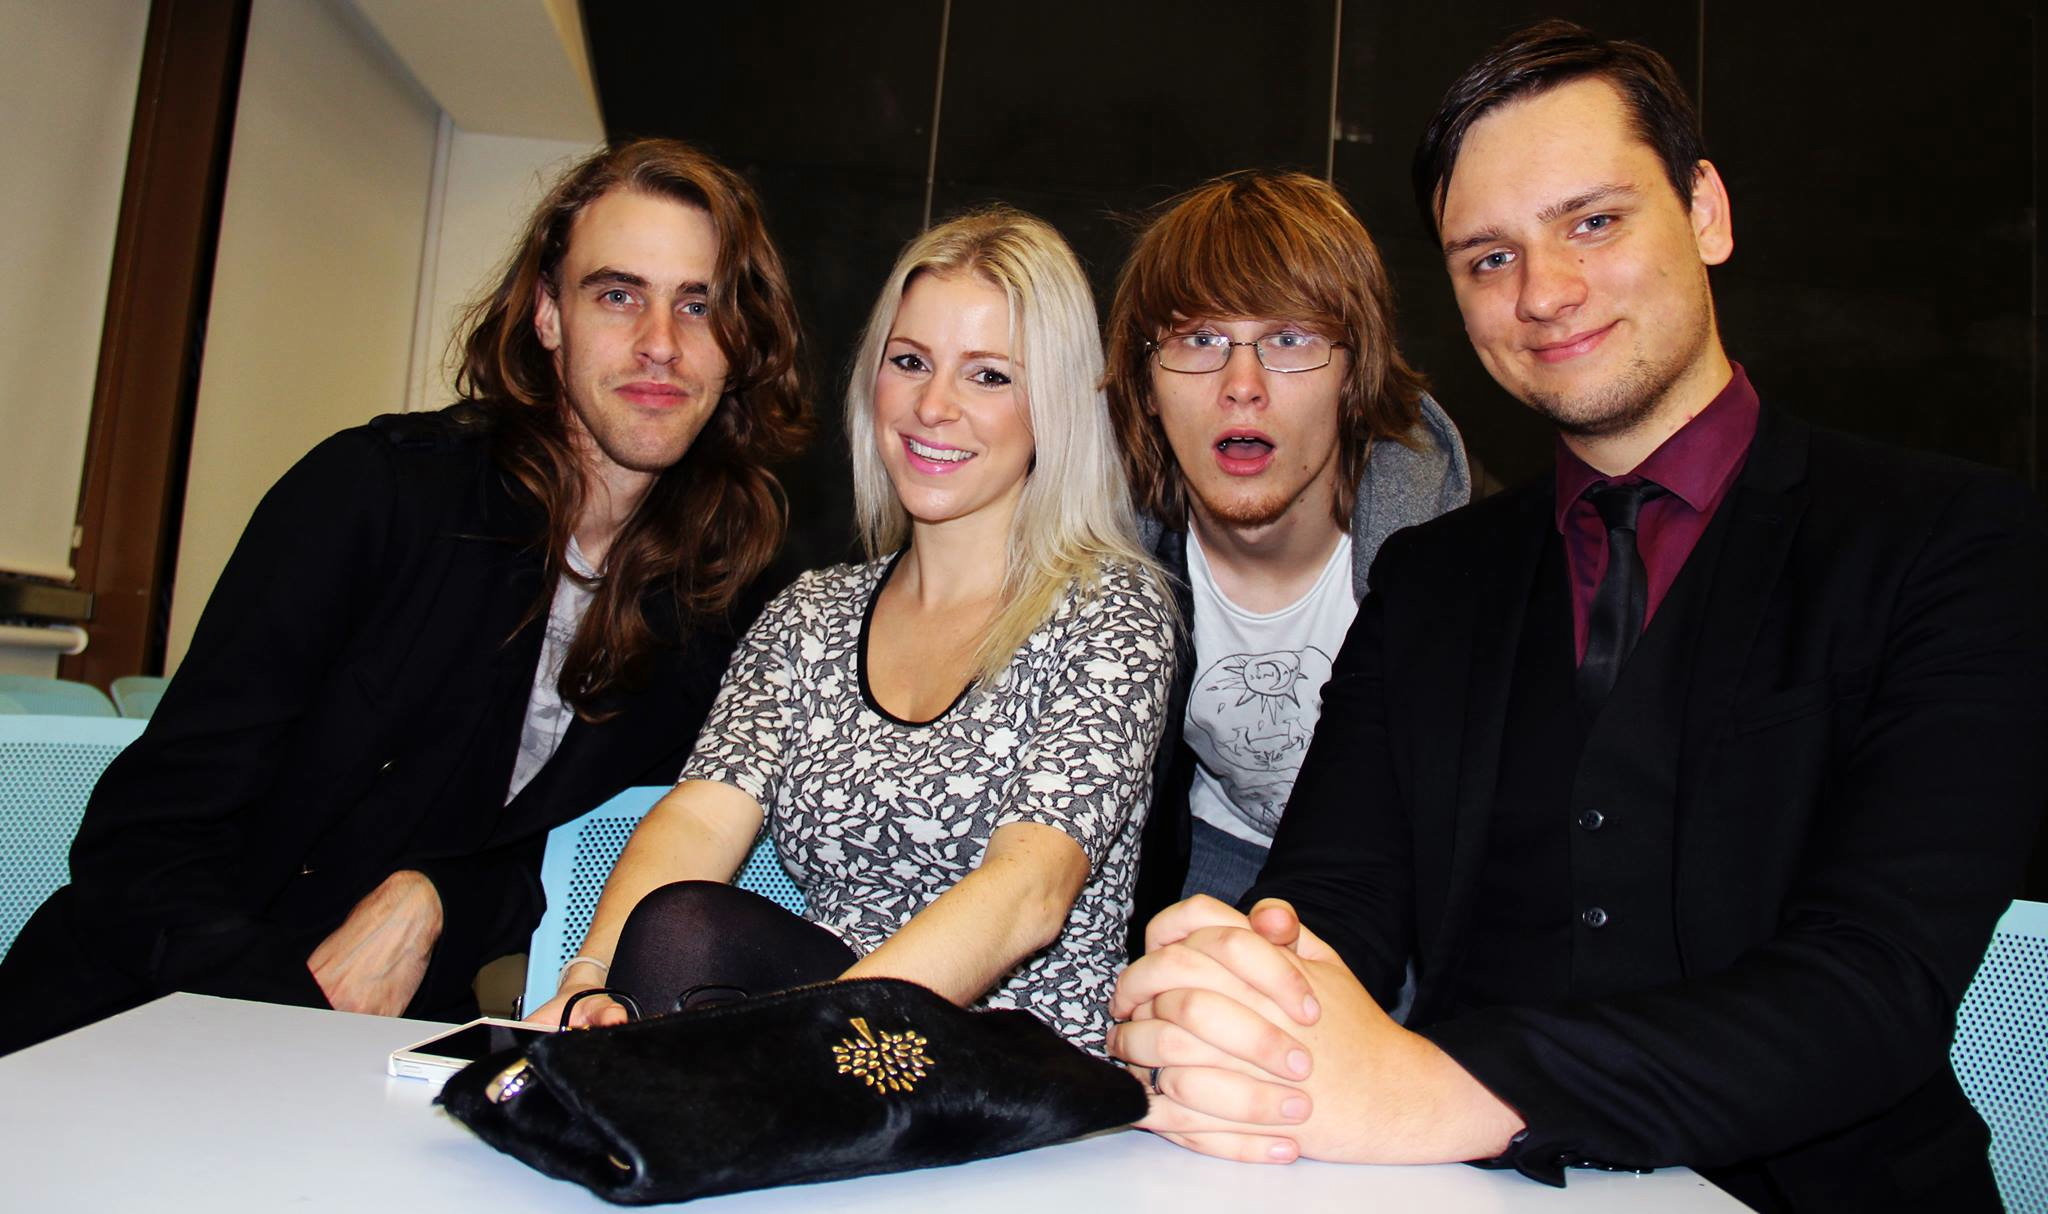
[
  {"x": 711, "y": 523},
  {"x": 1257, "y": 243}
]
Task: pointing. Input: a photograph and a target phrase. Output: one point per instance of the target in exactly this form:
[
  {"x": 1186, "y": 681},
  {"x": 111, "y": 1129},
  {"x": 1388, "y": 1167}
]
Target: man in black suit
[
  {"x": 1688, "y": 783},
  {"x": 444, "y": 634}
]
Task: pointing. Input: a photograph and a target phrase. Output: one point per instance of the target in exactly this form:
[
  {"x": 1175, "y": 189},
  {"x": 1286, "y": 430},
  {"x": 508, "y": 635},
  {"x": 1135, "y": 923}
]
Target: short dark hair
[{"x": 1538, "y": 59}]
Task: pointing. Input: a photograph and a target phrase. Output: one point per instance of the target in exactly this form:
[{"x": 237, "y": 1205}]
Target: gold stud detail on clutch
[{"x": 890, "y": 1062}]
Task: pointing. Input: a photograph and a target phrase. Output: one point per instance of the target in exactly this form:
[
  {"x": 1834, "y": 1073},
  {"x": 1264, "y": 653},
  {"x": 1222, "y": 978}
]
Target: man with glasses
[
  {"x": 1274, "y": 436},
  {"x": 1689, "y": 782}
]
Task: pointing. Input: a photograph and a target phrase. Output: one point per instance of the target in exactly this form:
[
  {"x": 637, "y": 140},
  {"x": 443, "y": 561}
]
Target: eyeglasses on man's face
[{"x": 1203, "y": 351}]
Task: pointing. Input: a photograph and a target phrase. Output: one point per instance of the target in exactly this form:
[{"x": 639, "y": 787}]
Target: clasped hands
[{"x": 1267, "y": 1049}]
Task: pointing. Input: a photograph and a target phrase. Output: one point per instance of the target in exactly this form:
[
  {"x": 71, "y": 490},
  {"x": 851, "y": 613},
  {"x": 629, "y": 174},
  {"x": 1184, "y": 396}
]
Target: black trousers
[{"x": 698, "y": 942}]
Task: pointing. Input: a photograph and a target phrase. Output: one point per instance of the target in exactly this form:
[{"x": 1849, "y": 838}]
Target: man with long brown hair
[
  {"x": 1274, "y": 436},
  {"x": 444, "y": 634}
]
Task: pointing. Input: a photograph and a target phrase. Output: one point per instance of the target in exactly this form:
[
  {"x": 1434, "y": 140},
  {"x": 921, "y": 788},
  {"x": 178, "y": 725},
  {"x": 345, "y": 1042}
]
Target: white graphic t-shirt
[{"x": 1257, "y": 692}]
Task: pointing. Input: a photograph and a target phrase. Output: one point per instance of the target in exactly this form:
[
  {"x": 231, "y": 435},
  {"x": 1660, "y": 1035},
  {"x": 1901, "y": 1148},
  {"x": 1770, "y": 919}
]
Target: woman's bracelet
[{"x": 603, "y": 967}]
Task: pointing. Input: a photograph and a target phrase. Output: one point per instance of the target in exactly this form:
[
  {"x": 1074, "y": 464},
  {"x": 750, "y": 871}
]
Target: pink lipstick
[{"x": 934, "y": 458}]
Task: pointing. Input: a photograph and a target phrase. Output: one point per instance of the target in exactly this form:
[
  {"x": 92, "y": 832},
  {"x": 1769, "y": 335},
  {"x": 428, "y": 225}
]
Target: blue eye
[
  {"x": 1493, "y": 261},
  {"x": 1288, "y": 339},
  {"x": 616, "y": 295},
  {"x": 697, "y": 307}
]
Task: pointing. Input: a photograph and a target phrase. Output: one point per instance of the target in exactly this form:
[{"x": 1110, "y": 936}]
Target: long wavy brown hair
[
  {"x": 1257, "y": 243},
  {"x": 709, "y": 524}
]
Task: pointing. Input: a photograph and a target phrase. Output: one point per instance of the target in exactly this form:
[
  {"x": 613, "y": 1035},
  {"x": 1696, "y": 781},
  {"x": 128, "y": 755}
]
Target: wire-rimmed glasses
[{"x": 1286, "y": 351}]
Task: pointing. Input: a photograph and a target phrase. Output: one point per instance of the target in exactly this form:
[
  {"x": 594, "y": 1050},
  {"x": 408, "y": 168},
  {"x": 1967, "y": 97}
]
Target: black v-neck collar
[{"x": 860, "y": 656}]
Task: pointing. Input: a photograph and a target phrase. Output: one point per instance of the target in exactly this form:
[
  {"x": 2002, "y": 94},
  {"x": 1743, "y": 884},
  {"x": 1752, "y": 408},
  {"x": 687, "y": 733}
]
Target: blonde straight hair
[{"x": 1075, "y": 512}]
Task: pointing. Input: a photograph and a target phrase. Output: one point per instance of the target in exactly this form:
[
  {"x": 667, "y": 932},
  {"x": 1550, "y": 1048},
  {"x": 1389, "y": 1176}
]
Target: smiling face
[
  {"x": 952, "y": 424},
  {"x": 1581, "y": 274},
  {"x": 1254, "y": 446},
  {"x": 630, "y": 330}
]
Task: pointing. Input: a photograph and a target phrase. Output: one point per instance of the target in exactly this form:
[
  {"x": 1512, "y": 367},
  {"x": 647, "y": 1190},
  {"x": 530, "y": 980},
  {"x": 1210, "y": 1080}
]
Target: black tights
[{"x": 727, "y": 941}]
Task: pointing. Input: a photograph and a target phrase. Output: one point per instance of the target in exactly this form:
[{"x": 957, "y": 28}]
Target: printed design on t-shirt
[
  {"x": 1254, "y": 714},
  {"x": 547, "y": 718}
]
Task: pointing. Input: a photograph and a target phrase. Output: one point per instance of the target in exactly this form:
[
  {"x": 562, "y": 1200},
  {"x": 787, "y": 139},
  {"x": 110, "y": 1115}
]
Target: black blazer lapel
[{"x": 1763, "y": 513}]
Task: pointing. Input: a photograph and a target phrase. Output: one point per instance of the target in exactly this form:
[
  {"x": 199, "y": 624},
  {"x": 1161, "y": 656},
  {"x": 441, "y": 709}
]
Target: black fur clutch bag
[{"x": 817, "y": 1083}]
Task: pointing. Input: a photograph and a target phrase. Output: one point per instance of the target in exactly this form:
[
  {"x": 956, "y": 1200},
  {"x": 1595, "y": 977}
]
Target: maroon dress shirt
[{"x": 1696, "y": 465}]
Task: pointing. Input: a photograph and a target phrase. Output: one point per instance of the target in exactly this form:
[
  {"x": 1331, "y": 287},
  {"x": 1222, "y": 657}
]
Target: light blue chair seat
[
  {"x": 48, "y": 766},
  {"x": 136, "y": 695},
  {"x": 2000, "y": 1054},
  {"x": 580, "y": 855},
  {"x": 26, "y": 693}
]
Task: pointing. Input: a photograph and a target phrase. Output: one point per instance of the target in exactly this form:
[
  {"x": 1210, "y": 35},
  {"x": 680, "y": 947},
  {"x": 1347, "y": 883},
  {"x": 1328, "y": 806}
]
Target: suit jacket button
[
  {"x": 1591, "y": 819},
  {"x": 1593, "y": 916}
]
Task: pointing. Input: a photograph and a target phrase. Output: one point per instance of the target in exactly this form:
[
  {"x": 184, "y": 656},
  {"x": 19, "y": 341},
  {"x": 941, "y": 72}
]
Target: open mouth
[
  {"x": 1244, "y": 447},
  {"x": 1243, "y": 454}
]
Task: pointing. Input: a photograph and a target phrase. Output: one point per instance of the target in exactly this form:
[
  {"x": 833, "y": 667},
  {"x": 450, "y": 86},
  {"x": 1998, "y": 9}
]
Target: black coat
[
  {"x": 350, "y": 706},
  {"x": 1859, "y": 775}
]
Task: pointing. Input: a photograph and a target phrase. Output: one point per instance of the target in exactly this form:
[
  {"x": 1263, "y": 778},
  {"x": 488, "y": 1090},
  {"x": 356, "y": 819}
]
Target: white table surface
[{"x": 216, "y": 1105}]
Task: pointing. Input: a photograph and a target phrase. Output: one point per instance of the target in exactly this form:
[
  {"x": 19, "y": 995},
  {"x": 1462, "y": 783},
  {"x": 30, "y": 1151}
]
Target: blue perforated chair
[
  {"x": 48, "y": 765},
  {"x": 27, "y": 693},
  {"x": 136, "y": 695},
  {"x": 2001, "y": 1054},
  {"x": 580, "y": 856}
]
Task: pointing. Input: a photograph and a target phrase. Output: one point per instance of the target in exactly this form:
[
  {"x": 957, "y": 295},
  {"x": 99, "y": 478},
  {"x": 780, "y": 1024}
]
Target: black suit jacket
[
  {"x": 350, "y": 706},
  {"x": 1860, "y": 775}
]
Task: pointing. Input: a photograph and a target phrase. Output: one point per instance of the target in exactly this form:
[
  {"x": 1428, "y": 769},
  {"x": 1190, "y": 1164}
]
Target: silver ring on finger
[{"x": 1152, "y": 1081}]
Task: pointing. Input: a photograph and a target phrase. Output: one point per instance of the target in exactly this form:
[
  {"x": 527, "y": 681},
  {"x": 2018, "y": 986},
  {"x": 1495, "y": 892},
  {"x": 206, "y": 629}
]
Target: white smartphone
[{"x": 443, "y": 1054}]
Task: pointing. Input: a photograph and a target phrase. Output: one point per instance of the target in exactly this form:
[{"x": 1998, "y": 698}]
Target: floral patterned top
[{"x": 875, "y": 816}]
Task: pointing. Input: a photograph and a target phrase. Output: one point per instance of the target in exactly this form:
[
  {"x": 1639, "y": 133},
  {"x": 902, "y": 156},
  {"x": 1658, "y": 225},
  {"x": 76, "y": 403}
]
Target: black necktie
[{"x": 1615, "y": 618}]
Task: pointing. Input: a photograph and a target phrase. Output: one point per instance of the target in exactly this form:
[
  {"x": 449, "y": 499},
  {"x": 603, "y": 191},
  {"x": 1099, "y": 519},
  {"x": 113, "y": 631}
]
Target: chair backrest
[
  {"x": 579, "y": 857},
  {"x": 136, "y": 695},
  {"x": 2000, "y": 1053},
  {"x": 48, "y": 765},
  {"x": 27, "y": 693}
]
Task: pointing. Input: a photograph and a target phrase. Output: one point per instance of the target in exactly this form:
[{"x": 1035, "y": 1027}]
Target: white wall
[
  {"x": 67, "y": 96},
  {"x": 358, "y": 222},
  {"x": 488, "y": 189},
  {"x": 317, "y": 275}
]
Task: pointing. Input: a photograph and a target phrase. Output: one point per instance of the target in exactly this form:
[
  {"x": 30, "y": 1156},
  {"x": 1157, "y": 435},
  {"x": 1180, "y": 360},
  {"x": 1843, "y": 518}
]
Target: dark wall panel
[
  {"x": 1883, "y": 195},
  {"x": 827, "y": 108},
  {"x": 1088, "y": 113},
  {"x": 1398, "y": 60}
]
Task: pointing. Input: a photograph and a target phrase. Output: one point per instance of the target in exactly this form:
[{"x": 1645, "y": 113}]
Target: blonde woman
[{"x": 950, "y": 743}]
